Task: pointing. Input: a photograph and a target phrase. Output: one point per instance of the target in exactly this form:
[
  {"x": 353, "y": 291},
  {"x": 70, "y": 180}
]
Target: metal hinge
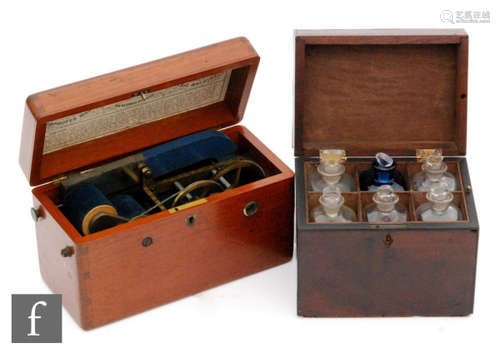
[
  {"x": 332, "y": 155},
  {"x": 59, "y": 179},
  {"x": 422, "y": 153}
]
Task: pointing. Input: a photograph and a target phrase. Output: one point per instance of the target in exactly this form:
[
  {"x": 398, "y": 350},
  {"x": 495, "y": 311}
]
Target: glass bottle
[
  {"x": 331, "y": 208},
  {"x": 386, "y": 207},
  {"x": 439, "y": 207},
  {"x": 434, "y": 171},
  {"x": 383, "y": 172},
  {"x": 331, "y": 172}
]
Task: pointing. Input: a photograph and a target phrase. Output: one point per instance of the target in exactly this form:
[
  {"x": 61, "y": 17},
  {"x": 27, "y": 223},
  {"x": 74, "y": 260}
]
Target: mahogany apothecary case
[{"x": 404, "y": 93}]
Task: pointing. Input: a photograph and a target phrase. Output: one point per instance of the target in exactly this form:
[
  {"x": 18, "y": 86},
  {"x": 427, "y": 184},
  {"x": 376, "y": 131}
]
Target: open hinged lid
[
  {"x": 100, "y": 119},
  {"x": 380, "y": 90}
]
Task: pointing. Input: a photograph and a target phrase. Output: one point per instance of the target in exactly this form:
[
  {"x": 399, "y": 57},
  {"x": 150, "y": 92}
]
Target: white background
[{"x": 46, "y": 44}]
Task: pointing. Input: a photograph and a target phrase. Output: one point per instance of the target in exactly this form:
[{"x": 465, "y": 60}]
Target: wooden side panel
[
  {"x": 355, "y": 273},
  {"x": 124, "y": 277},
  {"x": 461, "y": 94},
  {"x": 61, "y": 274},
  {"x": 26, "y": 153},
  {"x": 112, "y": 275}
]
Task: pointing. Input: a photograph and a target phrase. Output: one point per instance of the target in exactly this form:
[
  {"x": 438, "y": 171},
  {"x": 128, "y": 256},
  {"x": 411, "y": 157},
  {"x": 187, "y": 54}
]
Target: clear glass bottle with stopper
[
  {"x": 331, "y": 208},
  {"x": 331, "y": 172},
  {"x": 439, "y": 207},
  {"x": 386, "y": 207},
  {"x": 434, "y": 171}
]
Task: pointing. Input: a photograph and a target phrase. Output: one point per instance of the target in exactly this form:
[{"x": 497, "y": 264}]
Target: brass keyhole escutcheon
[{"x": 388, "y": 240}]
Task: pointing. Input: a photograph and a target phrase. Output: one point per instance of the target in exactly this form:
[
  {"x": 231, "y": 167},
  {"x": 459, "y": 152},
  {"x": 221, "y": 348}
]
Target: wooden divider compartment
[
  {"x": 350, "y": 168},
  {"x": 402, "y": 166},
  {"x": 414, "y": 168},
  {"x": 351, "y": 200},
  {"x": 418, "y": 198},
  {"x": 366, "y": 198},
  {"x": 411, "y": 199}
]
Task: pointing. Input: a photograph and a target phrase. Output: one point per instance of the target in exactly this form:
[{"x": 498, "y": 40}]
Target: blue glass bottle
[{"x": 382, "y": 172}]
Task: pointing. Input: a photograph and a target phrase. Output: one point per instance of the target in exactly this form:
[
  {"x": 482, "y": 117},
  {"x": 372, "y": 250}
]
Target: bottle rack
[{"x": 411, "y": 199}]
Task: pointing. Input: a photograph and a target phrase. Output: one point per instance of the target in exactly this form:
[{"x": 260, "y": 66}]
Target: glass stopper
[
  {"x": 331, "y": 167},
  {"x": 384, "y": 160},
  {"x": 331, "y": 200},
  {"x": 434, "y": 166},
  {"x": 385, "y": 198},
  {"x": 440, "y": 196}
]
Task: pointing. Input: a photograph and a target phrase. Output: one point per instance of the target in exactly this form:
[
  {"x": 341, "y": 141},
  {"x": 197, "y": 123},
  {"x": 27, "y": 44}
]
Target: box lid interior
[
  {"x": 380, "y": 90},
  {"x": 97, "y": 120}
]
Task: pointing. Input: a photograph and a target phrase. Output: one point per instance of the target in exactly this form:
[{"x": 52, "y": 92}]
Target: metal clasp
[{"x": 141, "y": 94}]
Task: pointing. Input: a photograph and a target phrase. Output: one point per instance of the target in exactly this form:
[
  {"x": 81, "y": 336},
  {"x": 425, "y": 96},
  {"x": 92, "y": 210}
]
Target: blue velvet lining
[
  {"x": 189, "y": 150},
  {"x": 79, "y": 200},
  {"x": 127, "y": 206}
]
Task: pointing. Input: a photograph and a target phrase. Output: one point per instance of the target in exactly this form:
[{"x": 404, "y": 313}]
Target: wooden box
[
  {"x": 156, "y": 259},
  {"x": 393, "y": 91}
]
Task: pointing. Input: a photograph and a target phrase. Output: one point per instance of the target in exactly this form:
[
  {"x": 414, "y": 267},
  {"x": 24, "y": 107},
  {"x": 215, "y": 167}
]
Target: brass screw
[
  {"x": 146, "y": 172},
  {"x": 469, "y": 188},
  {"x": 147, "y": 242},
  {"x": 67, "y": 251}
]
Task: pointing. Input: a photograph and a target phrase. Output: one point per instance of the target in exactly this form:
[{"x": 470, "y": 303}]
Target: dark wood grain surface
[
  {"x": 384, "y": 90},
  {"x": 394, "y": 91},
  {"x": 350, "y": 270},
  {"x": 354, "y": 273}
]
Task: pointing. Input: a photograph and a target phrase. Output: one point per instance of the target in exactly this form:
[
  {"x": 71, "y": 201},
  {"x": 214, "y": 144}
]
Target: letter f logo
[{"x": 33, "y": 317}]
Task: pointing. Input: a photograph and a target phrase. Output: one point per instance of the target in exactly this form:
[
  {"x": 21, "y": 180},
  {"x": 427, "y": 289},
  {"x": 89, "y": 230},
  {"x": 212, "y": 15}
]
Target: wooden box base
[
  {"x": 112, "y": 274},
  {"x": 362, "y": 269}
]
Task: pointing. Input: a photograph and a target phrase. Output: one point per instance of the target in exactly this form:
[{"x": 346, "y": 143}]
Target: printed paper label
[{"x": 135, "y": 111}]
